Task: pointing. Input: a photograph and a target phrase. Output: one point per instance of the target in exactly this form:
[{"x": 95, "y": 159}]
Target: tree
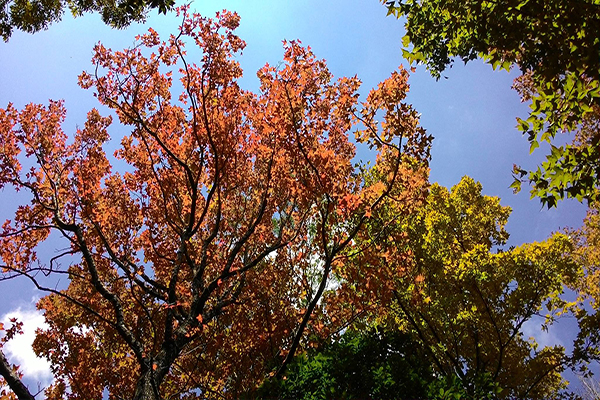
[
  {"x": 467, "y": 304},
  {"x": 34, "y": 15},
  {"x": 204, "y": 260},
  {"x": 554, "y": 43},
  {"x": 587, "y": 253},
  {"x": 369, "y": 364}
]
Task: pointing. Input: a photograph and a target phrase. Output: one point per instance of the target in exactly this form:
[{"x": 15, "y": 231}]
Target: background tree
[
  {"x": 556, "y": 46},
  {"x": 363, "y": 364},
  {"x": 370, "y": 363},
  {"x": 204, "y": 261},
  {"x": 34, "y": 15},
  {"x": 467, "y": 304}
]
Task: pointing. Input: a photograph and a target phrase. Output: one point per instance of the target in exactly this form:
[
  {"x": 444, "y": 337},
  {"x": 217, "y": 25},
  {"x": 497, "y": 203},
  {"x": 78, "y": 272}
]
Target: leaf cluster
[
  {"x": 34, "y": 15},
  {"x": 374, "y": 363},
  {"x": 554, "y": 43}
]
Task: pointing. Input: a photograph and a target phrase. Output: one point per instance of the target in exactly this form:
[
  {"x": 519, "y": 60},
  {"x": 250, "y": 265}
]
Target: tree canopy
[
  {"x": 362, "y": 364},
  {"x": 218, "y": 242},
  {"x": 455, "y": 313},
  {"x": 201, "y": 266},
  {"x": 466, "y": 301},
  {"x": 34, "y": 15},
  {"x": 555, "y": 44},
  {"x": 587, "y": 254}
]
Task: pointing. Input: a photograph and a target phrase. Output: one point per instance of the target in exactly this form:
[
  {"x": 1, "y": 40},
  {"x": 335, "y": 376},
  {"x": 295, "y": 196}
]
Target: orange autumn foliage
[{"x": 200, "y": 267}]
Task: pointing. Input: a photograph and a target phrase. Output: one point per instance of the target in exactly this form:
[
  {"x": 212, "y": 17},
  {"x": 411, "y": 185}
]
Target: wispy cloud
[{"x": 533, "y": 329}]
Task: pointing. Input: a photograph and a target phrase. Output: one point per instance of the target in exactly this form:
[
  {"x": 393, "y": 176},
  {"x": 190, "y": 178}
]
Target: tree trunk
[
  {"x": 147, "y": 388},
  {"x": 13, "y": 381}
]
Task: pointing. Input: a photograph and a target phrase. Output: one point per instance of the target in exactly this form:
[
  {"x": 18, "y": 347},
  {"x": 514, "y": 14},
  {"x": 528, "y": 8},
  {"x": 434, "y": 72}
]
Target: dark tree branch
[{"x": 13, "y": 380}]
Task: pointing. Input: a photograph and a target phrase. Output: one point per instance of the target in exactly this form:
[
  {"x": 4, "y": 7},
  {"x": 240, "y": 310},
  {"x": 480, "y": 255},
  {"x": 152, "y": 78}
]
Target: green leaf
[
  {"x": 516, "y": 186},
  {"x": 523, "y": 125},
  {"x": 534, "y": 145}
]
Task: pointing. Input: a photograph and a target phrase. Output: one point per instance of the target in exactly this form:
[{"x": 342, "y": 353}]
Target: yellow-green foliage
[{"x": 467, "y": 300}]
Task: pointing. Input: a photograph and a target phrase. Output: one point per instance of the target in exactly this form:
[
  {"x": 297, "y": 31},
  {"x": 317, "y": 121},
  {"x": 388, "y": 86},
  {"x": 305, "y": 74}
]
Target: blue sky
[{"x": 471, "y": 114}]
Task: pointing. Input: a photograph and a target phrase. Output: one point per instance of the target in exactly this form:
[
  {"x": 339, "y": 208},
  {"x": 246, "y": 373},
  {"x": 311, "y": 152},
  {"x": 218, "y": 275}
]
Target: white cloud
[{"x": 18, "y": 350}]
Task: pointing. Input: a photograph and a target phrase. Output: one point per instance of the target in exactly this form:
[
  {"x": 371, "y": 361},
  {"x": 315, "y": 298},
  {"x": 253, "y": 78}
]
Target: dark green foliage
[
  {"x": 34, "y": 15},
  {"x": 546, "y": 36},
  {"x": 452, "y": 388},
  {"x": 555, "y": 43},
  {"x": 372, "y": 365}
]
